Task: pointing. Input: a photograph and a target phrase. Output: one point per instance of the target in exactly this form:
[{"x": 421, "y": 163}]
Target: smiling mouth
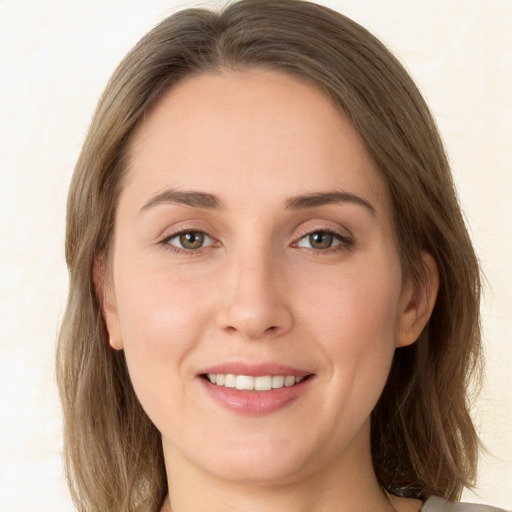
[{"x": 250, "y": 383}]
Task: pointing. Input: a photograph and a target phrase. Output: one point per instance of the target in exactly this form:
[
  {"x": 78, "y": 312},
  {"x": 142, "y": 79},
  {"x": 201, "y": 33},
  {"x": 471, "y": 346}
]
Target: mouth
[
  {"x": 255, "y": 389},
  {"x": 254, "y": 383}
]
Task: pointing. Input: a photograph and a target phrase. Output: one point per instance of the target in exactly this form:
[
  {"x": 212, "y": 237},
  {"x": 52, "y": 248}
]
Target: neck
[{"x": 348, "y": 484}]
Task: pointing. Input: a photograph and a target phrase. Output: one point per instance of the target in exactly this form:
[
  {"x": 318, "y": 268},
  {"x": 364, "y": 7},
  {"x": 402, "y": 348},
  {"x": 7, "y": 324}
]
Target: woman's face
[{"x": 254, "y": 248}]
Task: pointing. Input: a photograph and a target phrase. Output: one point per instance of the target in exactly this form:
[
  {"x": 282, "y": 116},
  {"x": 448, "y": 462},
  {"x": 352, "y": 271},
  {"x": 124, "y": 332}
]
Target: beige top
[{"x": 435, "y": 504}]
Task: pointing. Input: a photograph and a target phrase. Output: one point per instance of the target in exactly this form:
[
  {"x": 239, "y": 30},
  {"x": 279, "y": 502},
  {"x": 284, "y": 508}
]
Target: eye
[
  {"x": 189, "y": 240},
  {"x": 322, "y": 240}
]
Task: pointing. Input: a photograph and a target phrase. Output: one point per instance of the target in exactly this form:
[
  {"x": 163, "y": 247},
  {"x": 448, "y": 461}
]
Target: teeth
[
  {"x": 230, "y": 381},
  {"x": 249, "y": 383},
  {"x": 244, "y": 382},
  {"x": 263, "y": 383},
  {"x": 289, "y": 381},
  {"x": 278, "y": 381}
]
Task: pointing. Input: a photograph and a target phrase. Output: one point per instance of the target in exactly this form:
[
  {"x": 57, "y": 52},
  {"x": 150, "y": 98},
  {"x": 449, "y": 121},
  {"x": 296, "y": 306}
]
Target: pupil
[
  {"x": 321, "y": 240},
  {"x": 192, "y": 240}
]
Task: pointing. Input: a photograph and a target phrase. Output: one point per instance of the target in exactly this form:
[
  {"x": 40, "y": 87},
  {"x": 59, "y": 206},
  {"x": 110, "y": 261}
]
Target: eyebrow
[
  {"x": 188, "y": 198},
  {"x": 302, "y": 202},
  {"x": 322, "y": 198}
]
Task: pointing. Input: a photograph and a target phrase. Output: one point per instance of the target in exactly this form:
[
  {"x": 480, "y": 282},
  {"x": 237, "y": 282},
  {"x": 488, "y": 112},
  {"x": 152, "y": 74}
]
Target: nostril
[{"x": 252, "y": 319}]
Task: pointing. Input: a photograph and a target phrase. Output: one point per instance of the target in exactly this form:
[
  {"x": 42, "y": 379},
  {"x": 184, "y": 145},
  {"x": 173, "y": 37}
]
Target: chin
[
  {"x": 260, "y": 469},
  {"x": 277, "y": 458}
]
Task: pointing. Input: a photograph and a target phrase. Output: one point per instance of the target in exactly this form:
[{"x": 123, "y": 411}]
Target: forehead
[{"x": 258, "y": 131}]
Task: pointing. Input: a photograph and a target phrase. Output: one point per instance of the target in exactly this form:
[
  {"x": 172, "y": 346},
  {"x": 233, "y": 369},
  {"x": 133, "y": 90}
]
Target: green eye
[
  {"x": 321, "y": 240},
  {"x": 192, "y": 240},
  {"x": 189, "y": 240}
]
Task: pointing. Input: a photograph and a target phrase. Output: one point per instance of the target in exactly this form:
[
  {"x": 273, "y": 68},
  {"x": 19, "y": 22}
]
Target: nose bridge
[{"x": 256, "y": 305}]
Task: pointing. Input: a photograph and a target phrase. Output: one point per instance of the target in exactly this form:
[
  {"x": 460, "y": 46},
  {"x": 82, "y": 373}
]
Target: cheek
[
  {"x": 360, "y": 306},
  {"x": 155, "y": 320},
  {"x": 156, "y": 305},
  {"x": 357, "y": 319},
  {"x": 160, "y": 325}
]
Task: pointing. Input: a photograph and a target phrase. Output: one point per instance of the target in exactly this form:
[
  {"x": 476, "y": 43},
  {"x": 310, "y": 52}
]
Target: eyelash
[
  {"x": 343, "y": 244},
  {"x": 182, "y": 251}
]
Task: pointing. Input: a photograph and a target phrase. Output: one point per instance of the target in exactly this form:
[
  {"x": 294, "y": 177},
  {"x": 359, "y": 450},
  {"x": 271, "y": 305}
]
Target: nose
[{"x": 256, "y": 302}]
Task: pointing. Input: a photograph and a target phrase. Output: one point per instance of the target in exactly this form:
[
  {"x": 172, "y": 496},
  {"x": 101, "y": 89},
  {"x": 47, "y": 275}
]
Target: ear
[
  {"x": 106, "y": 296},
  {"x": 417, "y": 303}
]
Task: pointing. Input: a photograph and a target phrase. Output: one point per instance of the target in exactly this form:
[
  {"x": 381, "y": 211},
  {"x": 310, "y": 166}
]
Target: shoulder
[{"x": 436, "y": 504}]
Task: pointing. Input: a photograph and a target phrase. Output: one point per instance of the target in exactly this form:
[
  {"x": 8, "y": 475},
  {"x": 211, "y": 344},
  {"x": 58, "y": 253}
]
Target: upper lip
[{"x": 254, "y": 369}]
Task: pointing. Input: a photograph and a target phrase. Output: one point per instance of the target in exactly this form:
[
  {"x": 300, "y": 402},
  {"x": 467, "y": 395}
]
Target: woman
[{"x": 263, "y": 240}]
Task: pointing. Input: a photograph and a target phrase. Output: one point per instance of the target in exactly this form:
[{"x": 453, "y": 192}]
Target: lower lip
[{"x": 256, "y": 403}]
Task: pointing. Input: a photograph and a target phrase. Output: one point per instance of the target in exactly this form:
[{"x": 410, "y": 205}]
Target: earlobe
[
  {"x": 418, "y": 300},
  {"x": 105, "y": 293}
]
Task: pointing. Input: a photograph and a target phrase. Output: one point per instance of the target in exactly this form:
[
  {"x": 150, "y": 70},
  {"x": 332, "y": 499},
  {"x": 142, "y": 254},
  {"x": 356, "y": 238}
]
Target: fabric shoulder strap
[{"x": 436, "y": 504}]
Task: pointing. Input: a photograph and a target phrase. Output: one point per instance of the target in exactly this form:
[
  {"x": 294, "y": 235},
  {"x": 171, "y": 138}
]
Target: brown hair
[{"x": 423, "y": 439}]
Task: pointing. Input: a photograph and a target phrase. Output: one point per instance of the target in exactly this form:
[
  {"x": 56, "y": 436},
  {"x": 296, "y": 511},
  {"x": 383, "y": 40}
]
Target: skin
[{"x": 259, "y": 291}]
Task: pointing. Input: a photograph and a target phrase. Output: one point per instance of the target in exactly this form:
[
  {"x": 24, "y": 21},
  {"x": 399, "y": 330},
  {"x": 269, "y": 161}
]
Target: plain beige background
[{"x": 55, "y": 58}]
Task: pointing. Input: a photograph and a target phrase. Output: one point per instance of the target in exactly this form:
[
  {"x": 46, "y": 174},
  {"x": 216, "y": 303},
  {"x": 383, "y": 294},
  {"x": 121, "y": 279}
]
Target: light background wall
[{"x": 55, "y": 58}]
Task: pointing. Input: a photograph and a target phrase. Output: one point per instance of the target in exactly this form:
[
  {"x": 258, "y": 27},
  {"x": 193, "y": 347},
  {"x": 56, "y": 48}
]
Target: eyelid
[
  {"x": 343, "y": 237},
  {"x": 168, "y": 236},
  {"x": 318, "y": 225},
  {"x": 345, "y": 241}
]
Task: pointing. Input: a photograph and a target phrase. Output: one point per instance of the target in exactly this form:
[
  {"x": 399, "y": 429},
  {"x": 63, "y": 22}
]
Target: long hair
[{"x": 423, "y": 439}]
